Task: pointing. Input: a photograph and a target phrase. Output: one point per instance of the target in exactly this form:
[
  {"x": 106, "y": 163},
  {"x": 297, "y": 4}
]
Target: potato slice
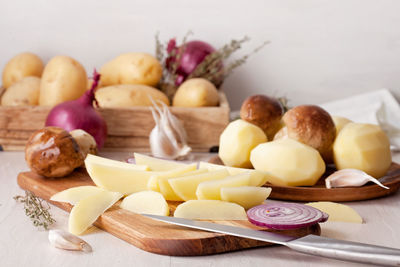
[
  {"x": 212, "y": 189},
  {"x": 185, "y": 187},
  {"x": 337, "y": 212},
  {"x": 74, "y": 194},
  {"x": 148, "y": 202},
  {"x": 166, "y": 190},
  {"x": 116, "y": 163},
  {"x": 288, "y": 162},
  {"x": 117, "y": 179},
  {"x": 210, "y": 210},
  {"x": 156, "y": 164},
  {"x": 245, "y": 196},
  {"x": 257, "y": 178},
  {"x": 87, "y": 210}
]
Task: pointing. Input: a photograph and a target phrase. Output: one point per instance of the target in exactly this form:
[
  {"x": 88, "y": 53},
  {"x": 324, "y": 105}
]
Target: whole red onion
[
  {"x": 80, "y": 114},
  {"x": 194, "y": 53}
]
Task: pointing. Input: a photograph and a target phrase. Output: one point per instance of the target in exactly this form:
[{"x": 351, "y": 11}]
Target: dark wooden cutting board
[{"x": 148, "y": 234}]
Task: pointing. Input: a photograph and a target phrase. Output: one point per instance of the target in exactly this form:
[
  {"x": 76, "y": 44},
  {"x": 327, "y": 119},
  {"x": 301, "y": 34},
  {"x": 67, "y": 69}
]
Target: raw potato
[
  {"x": 74, "y": 194},
  {"x": 196, "y": 92},
  {"x": 340, "y": 122},
  {"x": 257, "y": 178},
  {"x": 237, "y": 141},
  {"x": 288, "y": 162},
  {"x": 245, "y": 196},
  {"x": 87, "y": 210},
  {"x": 212, "y": 189},
  {"x": 210, "y": 210},
  {"x": 163, "y": 185},
  {"x": 63, "y": 79},
  {"x": 20, "y": 66},
  {"x": 128, "y": 95},
  {"x": 116, "y": 163},
  {"x": 131, "y": 68},
  {"x": 86, "y": 142},
  {"x": 157, "y": 184},
  {"x": 185, "y": 187},
  {"x": 337, "y": 212},
  {"x": 156, "y": 164},
  {"x": 364, "y": 147},
  {"x": 118, "y": 179},
  {"x": 147, "y": 202},
  {"x": 22, "y": 93}
]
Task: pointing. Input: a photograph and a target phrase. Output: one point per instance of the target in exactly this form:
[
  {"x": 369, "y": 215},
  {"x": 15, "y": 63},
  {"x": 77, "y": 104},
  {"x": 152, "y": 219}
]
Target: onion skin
[
  {"x": 80, "y": 114},
  {"x": 285, "y": 216}
]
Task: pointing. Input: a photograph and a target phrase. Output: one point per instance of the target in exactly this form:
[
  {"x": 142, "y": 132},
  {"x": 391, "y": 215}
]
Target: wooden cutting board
[{"x": 147, "y": 234}]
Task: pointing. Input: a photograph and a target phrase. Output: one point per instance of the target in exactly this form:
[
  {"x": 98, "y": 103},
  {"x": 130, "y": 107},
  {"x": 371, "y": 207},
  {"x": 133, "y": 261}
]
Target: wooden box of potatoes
[{"x": 125, "y": 93}]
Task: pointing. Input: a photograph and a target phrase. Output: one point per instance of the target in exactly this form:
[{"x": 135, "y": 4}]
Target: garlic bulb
[
  {"x": 65, "y": 240},
  {"x": 350, "y": 177},
  {"x": 168, "y": 137}
]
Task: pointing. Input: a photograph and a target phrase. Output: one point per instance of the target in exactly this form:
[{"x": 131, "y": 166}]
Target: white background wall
[{"x": 320, "y": 49}]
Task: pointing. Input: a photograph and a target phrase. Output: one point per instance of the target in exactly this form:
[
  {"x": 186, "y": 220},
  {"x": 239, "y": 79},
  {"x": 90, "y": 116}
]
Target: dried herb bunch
[
  {"x": 34, "y": 209},
  {"x": 213, "y": 67}
]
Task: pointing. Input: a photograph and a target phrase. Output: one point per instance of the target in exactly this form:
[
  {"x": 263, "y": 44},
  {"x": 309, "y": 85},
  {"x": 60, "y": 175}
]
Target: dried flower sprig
[{"x": 34, "y": 209}]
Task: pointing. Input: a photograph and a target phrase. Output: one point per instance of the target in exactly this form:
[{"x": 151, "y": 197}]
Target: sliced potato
[
  {"x": 210, "y": 210},
  {"x": 337, "y": 212},
  {"x": 156, "y": 164},
  {"x": 212, "y": 189},
  {"x": 185, "y": 187},
  {"x": 110, "y": 162},
  {"x": 87, "y": 210},
  {"x": 74, "y": 194},
  {"x": 257, "y": 178},
  {"x": 148, "y": 202},
  {"x": 245, "y": 196}
]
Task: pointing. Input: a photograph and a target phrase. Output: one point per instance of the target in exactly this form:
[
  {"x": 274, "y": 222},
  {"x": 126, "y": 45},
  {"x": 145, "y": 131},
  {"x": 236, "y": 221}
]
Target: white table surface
[{"x": 21, "y": 244}]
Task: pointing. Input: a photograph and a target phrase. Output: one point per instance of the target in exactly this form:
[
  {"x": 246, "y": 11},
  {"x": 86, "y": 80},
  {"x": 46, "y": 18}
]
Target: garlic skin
[
  {"x": 350, "y": 177},
  {"x": 168, "y": 137},
  {"x": 64, "y": 240}
]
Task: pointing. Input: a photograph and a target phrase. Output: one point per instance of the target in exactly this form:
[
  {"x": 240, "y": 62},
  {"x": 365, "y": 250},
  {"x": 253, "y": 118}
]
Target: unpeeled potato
[
  {"x": 22, "y": 93},
  {"x": 196, "y": 92},
  {"x": 63, "y": 79},
  {"x": 128, "y": 95},
  {"x": 131, "y": 68},
  {"x": 20, "y": 66}
]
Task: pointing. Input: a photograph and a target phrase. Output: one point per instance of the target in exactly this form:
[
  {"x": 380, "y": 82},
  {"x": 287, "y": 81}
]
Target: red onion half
[
  {"x": 285, "y": 216},
  {"x": 80, "y": 114}
]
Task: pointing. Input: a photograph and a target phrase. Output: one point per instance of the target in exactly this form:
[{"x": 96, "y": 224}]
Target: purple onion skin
[{"x": 80, "y": 114}]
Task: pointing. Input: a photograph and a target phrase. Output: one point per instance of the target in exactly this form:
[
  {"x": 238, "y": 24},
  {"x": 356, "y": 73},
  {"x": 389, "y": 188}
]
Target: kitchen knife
[{"x": 310, "y": 244}]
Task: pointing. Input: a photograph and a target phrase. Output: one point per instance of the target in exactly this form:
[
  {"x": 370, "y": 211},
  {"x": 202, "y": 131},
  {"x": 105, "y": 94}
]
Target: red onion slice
[{"x": 285, "y": 216}]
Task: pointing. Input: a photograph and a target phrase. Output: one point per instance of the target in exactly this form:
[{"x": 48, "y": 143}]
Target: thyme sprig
[{"x": 35, "y": 210}]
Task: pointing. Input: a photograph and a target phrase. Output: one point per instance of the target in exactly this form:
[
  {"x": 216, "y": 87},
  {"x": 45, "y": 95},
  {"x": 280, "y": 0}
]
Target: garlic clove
[
  {"x": 350, "y": 177},
  {"x": 64, "y": 240}
]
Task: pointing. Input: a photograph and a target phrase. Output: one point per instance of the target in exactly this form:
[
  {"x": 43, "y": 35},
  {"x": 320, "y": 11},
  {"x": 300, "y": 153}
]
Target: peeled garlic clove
[
  {"x": 350, "y": 177},
  {"x": 64, "y": 240}
]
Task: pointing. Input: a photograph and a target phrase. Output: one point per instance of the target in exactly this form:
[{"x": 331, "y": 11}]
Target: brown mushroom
[
  {"x": 310, "y": 125},
  {"x": 52, "y": 152},
  {"x": 264, "y": 112}
]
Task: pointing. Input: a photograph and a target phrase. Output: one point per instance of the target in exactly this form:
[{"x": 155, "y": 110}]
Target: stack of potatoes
[
  {"x": 293, "y": 148},
  {"x": 128, "y": 80}
]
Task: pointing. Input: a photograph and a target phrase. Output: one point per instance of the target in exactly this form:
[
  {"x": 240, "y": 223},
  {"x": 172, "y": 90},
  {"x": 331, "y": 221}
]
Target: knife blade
[{"x": 310, "y": 244}]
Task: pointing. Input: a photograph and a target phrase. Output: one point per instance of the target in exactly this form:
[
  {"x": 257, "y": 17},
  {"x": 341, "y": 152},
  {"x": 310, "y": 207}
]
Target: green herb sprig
[{"x": 34, "y": 209}]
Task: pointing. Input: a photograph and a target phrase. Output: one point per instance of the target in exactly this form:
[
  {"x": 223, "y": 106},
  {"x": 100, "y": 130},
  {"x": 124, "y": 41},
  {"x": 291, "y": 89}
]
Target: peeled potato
[
  {"x": 340, "y": 122},
  {"x": 148, "y": 202},
  {"x": 128, "y": 95},
  {"x": 196, "y": 92},
  {"x": 131, "y": 68},
  {"x": 288, "y": 162},
  {"x": 25, "y": 92},
  {"x": 210, "y": 210},
  {"x": 364, "y": 147},
  {"x": 236, "y": 142},
  {"x": 20, "y": 66},
  {"x": 63, "y": 79},
  {"x": 245, "y": 196}
]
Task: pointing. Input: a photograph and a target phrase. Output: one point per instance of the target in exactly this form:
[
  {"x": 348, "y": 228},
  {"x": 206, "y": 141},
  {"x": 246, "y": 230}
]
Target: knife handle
[{"x": 345, "y": 250}]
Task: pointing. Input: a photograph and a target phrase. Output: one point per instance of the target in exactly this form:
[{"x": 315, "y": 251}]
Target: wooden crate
[{"x": 128, "y": 128}]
